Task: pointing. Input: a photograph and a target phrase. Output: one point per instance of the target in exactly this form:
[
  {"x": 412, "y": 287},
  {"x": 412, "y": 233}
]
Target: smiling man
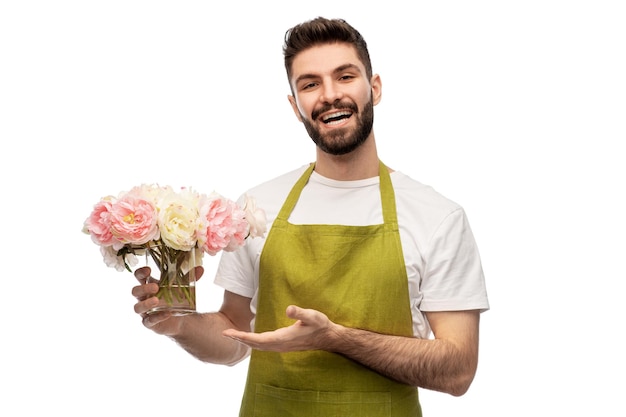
[{"x": 368, "y": 284}]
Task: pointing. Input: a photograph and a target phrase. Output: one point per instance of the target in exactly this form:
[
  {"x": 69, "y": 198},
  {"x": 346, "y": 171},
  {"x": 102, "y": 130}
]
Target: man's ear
[
  {"x": 294, "y": 107},
  {"x": 377, "y": 89}
]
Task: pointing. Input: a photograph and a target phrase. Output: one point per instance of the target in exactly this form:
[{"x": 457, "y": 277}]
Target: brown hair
[{"x": 322, "y": 31}]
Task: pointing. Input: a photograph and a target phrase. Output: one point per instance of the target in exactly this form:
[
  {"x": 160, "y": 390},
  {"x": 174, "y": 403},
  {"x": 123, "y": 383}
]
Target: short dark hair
[{"x": 321, "y": 31}]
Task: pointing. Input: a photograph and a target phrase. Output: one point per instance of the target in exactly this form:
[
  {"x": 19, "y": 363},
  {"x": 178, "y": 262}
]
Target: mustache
[{"x": 335, "y": 106}]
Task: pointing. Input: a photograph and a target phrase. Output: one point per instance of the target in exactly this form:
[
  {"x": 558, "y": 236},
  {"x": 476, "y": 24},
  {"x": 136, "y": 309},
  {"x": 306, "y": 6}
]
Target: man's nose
[{"x": 331, "y": 93}]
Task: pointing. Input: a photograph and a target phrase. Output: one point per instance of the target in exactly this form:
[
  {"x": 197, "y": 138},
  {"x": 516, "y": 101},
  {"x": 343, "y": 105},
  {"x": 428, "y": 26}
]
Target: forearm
[
  {"x": 433, "y": 364},
  {"x": 201, "y": 336},
  {"x": 447, "y": 363}
]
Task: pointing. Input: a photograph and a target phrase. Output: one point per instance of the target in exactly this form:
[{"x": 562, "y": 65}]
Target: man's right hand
[{"x": 162, "y": 322}]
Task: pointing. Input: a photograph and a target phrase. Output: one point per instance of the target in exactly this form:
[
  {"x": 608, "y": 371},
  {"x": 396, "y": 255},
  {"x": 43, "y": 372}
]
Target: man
[{"x": 337, "y": 303}]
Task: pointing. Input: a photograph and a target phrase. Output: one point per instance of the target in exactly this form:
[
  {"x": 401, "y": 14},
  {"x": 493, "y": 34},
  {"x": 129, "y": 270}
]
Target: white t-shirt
[{"x": 442, "y": 261}]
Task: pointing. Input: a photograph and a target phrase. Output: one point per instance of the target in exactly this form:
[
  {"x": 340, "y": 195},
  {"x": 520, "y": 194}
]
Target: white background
[{"x": 516, "y": 110}]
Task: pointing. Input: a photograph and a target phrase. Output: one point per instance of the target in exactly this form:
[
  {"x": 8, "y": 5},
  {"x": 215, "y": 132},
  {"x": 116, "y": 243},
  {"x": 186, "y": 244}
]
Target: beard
[{"x": 342, "y": 141}]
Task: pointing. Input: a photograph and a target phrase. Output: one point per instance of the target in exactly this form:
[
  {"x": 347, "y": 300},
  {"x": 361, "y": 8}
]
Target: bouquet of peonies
[{"x": 173, "y": 229}]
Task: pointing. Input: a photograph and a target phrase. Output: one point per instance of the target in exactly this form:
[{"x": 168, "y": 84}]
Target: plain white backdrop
[{"x": 516, "y": 110}]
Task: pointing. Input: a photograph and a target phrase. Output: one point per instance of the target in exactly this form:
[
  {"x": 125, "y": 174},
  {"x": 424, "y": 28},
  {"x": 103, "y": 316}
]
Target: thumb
[
  {"x": 294, "y": 312},
  {"x": 199, "y": 272}
]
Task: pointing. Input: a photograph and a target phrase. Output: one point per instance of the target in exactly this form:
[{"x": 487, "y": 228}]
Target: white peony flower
[
  {"x": 178, "y": 219},
  {"x": 109, "y": 254},
  {"x": 255, "y": 217}
]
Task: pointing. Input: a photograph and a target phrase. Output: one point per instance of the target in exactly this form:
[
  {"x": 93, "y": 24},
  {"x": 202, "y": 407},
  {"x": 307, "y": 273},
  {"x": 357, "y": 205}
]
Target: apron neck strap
[{"x": 387, "y": 196}]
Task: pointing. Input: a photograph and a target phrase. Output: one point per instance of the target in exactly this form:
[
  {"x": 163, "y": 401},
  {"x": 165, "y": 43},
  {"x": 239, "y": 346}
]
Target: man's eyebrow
[
  {"x": 339, "y": 69},
  {"x": 345, "y": 67}
]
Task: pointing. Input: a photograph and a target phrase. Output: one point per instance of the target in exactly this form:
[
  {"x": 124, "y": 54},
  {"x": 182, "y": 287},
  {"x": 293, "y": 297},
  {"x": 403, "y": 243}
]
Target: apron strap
[
  {"x": 388, "y": 197},
  {"x": 294, "y": 194}
]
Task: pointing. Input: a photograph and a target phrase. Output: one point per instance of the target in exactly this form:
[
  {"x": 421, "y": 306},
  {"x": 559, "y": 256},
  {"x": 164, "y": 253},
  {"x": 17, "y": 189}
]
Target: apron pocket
[{"x": 272, "y": 401}]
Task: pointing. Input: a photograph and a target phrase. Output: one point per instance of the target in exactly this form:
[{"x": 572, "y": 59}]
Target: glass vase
[{"x": 176, "y": 275}]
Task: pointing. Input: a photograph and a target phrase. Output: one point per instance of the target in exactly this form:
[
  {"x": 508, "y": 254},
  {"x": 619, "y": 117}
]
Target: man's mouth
[{"x": 337, "y": 117}]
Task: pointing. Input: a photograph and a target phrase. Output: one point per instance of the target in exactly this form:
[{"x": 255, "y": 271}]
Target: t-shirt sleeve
[
  {"x": 453, "y": 278},
  {"x": 235, "y": 272}
]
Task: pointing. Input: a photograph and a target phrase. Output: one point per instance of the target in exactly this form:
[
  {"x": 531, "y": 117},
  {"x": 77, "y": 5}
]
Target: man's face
[{"x": 333, "y": 97}]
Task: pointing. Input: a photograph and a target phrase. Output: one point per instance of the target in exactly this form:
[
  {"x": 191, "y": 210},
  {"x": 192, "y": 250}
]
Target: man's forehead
[{"x": 325, "y": 58}]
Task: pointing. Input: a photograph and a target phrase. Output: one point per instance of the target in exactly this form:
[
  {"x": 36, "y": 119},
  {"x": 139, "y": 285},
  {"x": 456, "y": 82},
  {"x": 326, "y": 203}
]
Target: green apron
[{"x": 357, "y": 277}]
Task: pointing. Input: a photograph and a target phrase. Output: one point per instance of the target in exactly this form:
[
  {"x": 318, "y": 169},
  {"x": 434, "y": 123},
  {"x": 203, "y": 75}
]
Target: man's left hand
[{"x": 307, "y": 333}]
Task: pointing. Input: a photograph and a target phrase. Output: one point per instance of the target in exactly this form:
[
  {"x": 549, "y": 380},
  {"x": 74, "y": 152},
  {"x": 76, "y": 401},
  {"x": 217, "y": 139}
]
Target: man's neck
[{"x": 357, "y": 165}]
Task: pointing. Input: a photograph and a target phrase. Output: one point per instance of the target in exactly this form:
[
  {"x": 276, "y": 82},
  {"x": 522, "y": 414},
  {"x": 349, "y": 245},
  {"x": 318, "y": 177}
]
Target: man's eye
[{"x": 308, "y": 86}]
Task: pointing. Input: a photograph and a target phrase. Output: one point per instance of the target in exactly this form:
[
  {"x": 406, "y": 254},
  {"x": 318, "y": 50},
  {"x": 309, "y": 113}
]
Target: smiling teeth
[{"x": 328, "y": 118}]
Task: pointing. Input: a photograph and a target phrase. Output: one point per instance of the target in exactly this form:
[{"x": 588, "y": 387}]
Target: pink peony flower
[
  {"x": 240, "y": 228},
  {"x": 98, "y": 224},
  {"x": 134, "y": 220},
  {"x": 220, "y": 220}
]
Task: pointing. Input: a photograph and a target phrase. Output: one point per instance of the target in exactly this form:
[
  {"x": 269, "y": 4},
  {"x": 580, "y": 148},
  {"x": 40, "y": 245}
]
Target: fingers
[
  {"x": 145, "y": 305},
  {"x": 199, "y": 272},
  {"x": 146, "y": 296},
  {"x": 260, "y": 341},
  {"x": 142, "y": 274},
  {"x": 144, "y": 291},
  {"x": 233, "y": 334}
]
